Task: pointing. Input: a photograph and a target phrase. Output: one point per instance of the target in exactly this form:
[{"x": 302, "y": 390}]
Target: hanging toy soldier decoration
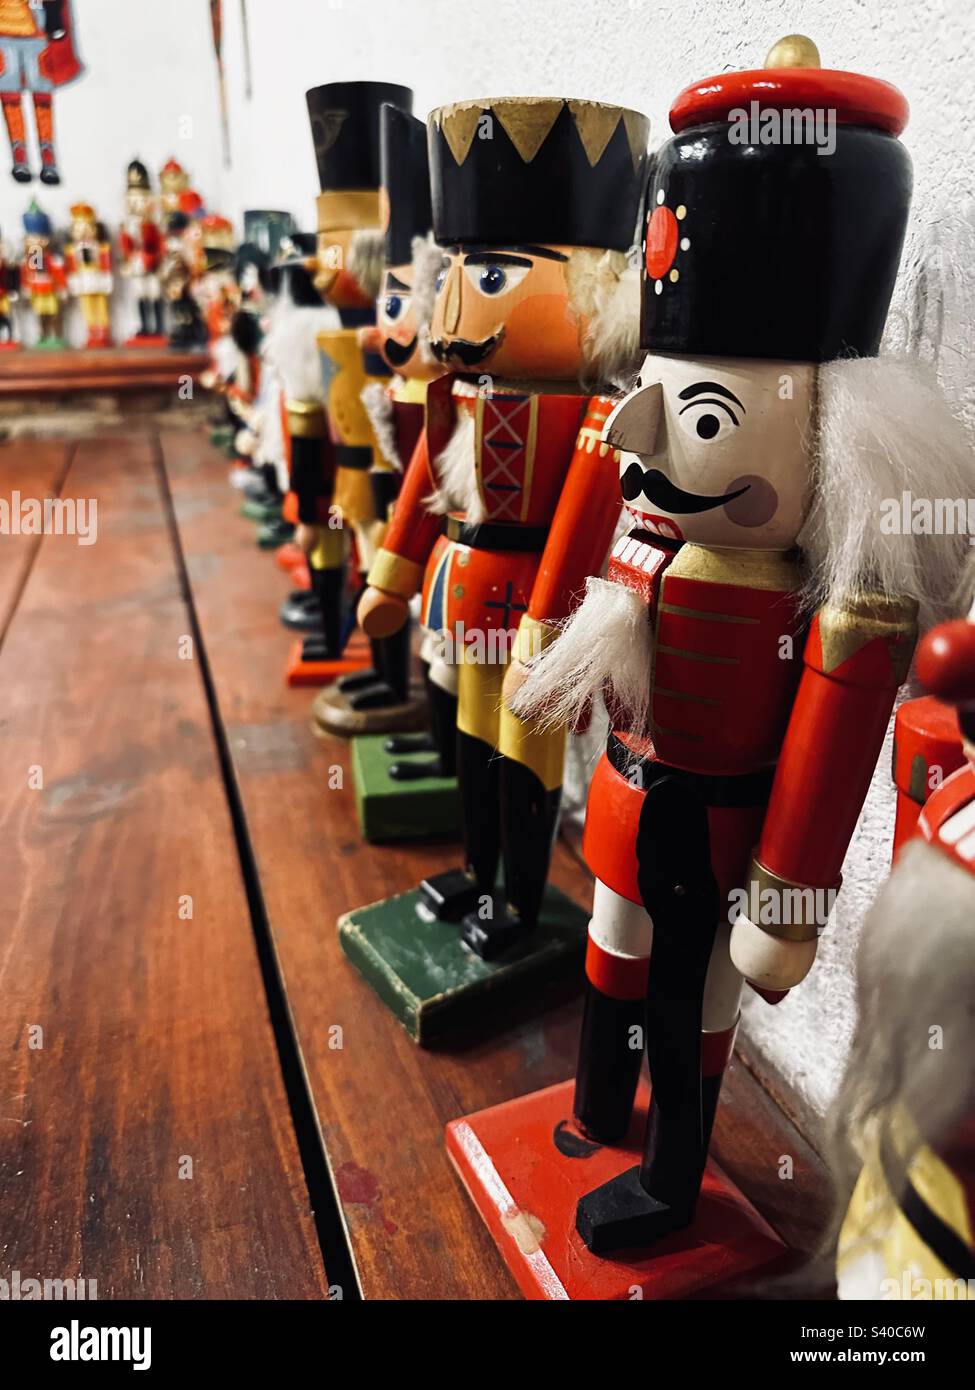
[
  {"x": 42, "y": 277},
  {"x": 37, "y": 54},
  {"x": 88, "y": 262},
  {"x": 535, "y": 204},
  {"x": 742, "y": 745},
  {"x": 904, "y": 1153},
  {"x": 141, "y": 250},
  {"x": 379, "y": 699},
  {"x": 344, "y": 119}
]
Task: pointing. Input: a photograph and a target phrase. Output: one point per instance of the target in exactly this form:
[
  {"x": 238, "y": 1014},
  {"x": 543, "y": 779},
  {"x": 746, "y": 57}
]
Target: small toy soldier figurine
[
  {"x": 188, "y": 331},
  {"x": 37, "y": 54},
  {"x": 344, "y": 120},
  {"x": 904, "y": 1116},
  {"x": 720, "y": 814},
  {"x": 535, "y": 202},
  {"x": 9, "y": 282},
  {"x": 141, "y": 248},
  {"x": 173, "y": 182},
  {"x": 42, "y": 277},
  {"x": 378, "y": 699},
  {"x": 88, "y": 261}
]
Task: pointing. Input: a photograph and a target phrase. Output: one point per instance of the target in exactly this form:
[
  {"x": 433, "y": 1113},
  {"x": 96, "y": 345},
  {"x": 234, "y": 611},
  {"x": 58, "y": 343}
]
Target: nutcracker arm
[
  {"x": 412, "y": 532},
  {"x": 857, "y": 655},
  {"x": 54, "y": 19}
]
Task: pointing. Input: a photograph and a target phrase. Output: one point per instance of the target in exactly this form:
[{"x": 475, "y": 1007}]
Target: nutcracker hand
[
  {"x": 769, "y": 961},
  {"x": 305, "y": 538},
  {"x": 514, "y": 679},
  {"x": 381, "y": 614}
]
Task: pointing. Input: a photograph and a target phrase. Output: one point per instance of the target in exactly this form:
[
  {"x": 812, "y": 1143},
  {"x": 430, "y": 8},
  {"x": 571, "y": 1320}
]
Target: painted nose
[
  {"x": 451, "y": 299},
  {"x": 635, "y": 424}
]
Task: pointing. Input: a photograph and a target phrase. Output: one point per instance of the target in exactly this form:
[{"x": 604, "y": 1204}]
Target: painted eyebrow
[
  {"x": 392, "y": 283},
  {"x": 496, "y": 258},
  {"x": 713, "y": 388}
]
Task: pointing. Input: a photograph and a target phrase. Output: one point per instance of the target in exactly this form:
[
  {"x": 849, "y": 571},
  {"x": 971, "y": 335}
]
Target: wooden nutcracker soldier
[
  {"x": 88, "y": 262},
  {"x": 42, "y": 277},
  {"x": 9, "y": 283},
  {"x": 344, "y": 120},
  {"x": 174, "y": 181},
  {"x": 904, "y": 1117},
  {"x": 534, "y": 203},
  {"x": 37, "y": 54},
  {"x": 141, "y": 250},
  {"x": 378, "y": 698},
  {"x": 743, "y": 735}
]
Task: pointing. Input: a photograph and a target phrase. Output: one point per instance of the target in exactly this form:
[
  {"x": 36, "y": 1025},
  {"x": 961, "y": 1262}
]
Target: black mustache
[
  {"x": 667, "y": 495},
  {"x": 396, "y": 354},
  {"x": 470, "y": 354}
]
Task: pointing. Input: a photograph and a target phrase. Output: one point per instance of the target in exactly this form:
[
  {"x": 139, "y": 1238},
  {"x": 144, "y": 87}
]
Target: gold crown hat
[
  {"x": 81, "y": 211},
  {"x": 544, "y": 170}
]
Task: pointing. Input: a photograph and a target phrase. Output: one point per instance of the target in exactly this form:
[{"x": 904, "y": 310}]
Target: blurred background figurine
[
  {"x": 37, "y": 54},
  {"x": 88, "y": 262},
  {"x": 174, "y": 181},
  {"x": 904, "y": 1116},
  {"x": 187, "y": 331},
  {"x": 141, "y": 250},
  {"x": 9, "y": 285},
  {"x": 42, "y": 277}
]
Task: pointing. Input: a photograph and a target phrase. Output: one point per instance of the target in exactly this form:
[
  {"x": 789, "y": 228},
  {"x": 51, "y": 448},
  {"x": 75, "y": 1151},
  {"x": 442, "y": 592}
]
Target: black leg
[
  {"x": 608, "y": 1071},
  {"x": 454, "y": 893}
]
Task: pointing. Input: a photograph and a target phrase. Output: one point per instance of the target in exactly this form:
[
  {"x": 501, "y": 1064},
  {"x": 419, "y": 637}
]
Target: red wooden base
[
  {"x": 289, "y": 558},
  {"x": 356, "y": 657},
  {"x": 146, "y": 341},
  {"x": 526, "y": 1189}
]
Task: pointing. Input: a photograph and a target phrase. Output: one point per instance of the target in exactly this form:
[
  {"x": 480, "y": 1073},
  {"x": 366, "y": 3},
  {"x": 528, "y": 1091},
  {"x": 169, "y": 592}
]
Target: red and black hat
[
  {"x": 345, "y": 129},
  {"x": 405, "y": 182},
  {"x": 536, "y": 170},
  {"x": 761, "y": 244}
]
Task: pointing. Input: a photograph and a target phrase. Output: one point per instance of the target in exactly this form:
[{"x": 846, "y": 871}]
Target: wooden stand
[
  {"x": 389, "y": 810},
  {"x": 525, "y": 1166},
  {"x": 32, "y": 373},
  {"x": 356, "y": 657}
]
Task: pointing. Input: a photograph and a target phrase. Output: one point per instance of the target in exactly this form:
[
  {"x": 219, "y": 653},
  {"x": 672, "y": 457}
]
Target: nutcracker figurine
[
  {"x": 379, "y": 698},
  {"x": 9, "y": 283},
  {"x": 296, "y": 319},
  {"x": 88, "y": 262},
  {"x": 750, "y": 639},
  {"x": 37, "y": 54},
  {"x": 535, "y": 204},
  {"x": 141, "y": 249},
  {"x": 904, "y": 1118},
  {"x": 42, "y": 277},
  {"x": 344, "y": 120},
  {"x": 174, "y": 181}
]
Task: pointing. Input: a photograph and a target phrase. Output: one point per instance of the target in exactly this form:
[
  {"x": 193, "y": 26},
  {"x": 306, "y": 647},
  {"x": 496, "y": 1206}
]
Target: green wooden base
[
  {"x": 434, "y": 984},
  {"x": 389, "y": 810}
]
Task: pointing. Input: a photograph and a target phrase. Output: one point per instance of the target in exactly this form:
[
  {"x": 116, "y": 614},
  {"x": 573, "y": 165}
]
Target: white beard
[
  {"x": 456, "y": 474},
  {"x": 379, "y": 408},
  {"x": 606, "y": 641}
]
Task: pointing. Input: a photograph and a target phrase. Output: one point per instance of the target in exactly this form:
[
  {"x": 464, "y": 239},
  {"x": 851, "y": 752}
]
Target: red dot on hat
[{"x": 662, "y": 236}]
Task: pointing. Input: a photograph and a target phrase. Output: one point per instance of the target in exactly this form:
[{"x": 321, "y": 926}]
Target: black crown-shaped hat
[
  {"x": 405, "y": 181},
  {"x": 536, "y": 170}
]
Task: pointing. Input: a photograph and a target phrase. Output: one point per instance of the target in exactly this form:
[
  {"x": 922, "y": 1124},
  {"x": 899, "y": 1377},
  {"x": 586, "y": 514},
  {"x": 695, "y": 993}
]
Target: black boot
[
  {"x": 680, "y": 893},
  {"x": 529, "y": 816},
  {"x": 145, "y": 324},
  {"x": 391, "y": 658},
  {"x": 442, "y": 739},
  {"x": 157, "y": 306},
  {"x": 608, "y": 1070},
  {"x": 328, "y": 586},
  {"x": 457, "y": 892}
]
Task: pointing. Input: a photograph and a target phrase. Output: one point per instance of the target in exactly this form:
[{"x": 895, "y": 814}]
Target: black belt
[
  {"x": 714, "y": 789},
  {"x": 936, "y": 1234},
  {"x": 358, "y": 456},
  {"x": 495, "y": 535}
]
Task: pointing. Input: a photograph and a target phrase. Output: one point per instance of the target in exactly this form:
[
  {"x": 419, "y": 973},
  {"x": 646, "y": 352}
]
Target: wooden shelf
[{"x": 29, "y": 372}]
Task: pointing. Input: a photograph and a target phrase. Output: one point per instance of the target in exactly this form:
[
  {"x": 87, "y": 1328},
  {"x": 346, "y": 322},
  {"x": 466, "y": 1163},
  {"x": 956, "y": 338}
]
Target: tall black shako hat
[
  {"x": 405, "y": 174},
  {"x": 536, "y": 170},
  {"x": 345, "y": 130},
  {"x": 776, "y": 250}
]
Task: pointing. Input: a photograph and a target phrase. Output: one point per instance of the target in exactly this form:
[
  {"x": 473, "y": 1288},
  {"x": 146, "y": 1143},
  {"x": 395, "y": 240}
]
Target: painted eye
[
  {"x": 392, "y": 307},
  {"x": 493, "y": 279},
  {"x": 438, "y": 284},
  {"x": 708, "y": 420}
]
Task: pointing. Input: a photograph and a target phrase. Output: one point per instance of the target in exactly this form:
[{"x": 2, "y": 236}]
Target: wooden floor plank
[
  {"x": 34, "y": 472},
  {"x": 381, "y": 1101},
  {"x": 148, "y": 1144}
]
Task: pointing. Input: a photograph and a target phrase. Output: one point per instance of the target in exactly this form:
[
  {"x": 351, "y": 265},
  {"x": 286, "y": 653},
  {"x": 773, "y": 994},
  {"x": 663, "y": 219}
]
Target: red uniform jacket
[
  {"x": 47, "y": 278},
  {"x": 148, "y": 244}
]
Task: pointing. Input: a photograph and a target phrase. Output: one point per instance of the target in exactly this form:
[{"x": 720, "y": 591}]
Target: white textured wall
[{"x": 152, "y": 64}]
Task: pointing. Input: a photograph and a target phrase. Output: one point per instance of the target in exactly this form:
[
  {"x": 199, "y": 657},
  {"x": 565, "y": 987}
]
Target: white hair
[{"x": 290, "y": 346}]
